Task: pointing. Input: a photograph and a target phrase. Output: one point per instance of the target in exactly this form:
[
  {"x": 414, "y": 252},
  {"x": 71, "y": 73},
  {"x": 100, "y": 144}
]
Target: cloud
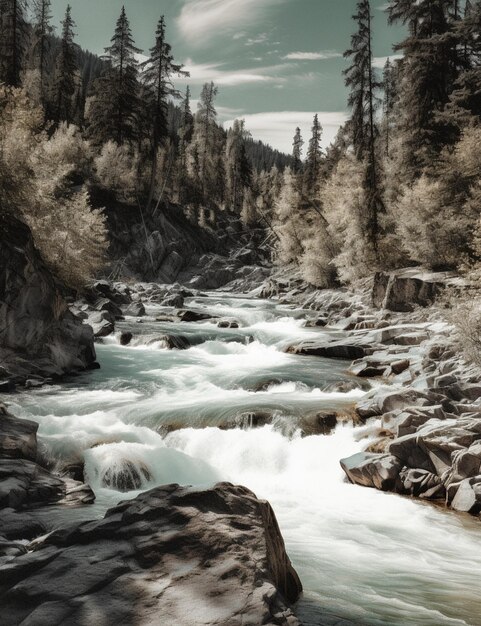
[
  {"x": 313, "y": 56},
  {"x": 201, "y": 73},
  {"x": 380, "y": 62},
  {"x": 200, "y": 19},
  {"x": 278, "y": 128}
]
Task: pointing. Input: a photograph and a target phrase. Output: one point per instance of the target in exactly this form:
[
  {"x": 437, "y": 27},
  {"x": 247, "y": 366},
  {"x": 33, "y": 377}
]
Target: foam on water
[{"x": 373, "y": 558}]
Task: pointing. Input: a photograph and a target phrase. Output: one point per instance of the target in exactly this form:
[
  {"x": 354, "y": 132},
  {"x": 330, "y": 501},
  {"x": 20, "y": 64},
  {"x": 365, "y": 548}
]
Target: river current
[{"x": 363, "y": 556}]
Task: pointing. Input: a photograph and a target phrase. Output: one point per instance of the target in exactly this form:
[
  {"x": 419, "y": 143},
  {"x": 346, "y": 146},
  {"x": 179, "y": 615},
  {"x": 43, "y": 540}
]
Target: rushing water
[{"x": 363, "y": 556}]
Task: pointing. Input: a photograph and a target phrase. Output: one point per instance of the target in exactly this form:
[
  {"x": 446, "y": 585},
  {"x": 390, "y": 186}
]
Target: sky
[{"x": 276, "y": 62}]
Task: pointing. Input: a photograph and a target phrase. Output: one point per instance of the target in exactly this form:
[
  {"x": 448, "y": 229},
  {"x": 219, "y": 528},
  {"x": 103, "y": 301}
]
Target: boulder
[
  {"x": 135, "y": 309},
  {"x": 348, "y": 350},
  {"x": 125, "y": 338},
  {"x": 18, "y": 438},
  {"x": 102, "y": 323},
  {"x": 405, "y": 289},
  {"x": 380, "y": 471},
  {"x": 186, "y": 315},
  {"x": 34, "y": 317},
  {"x": 398, "y": 367},
  {"x": 175, "y": 554},
  {"x": 468, "y": 496},
  {"x": 320, "y": 423},
  {"x": 104, "y": 304},
  {"x": 467, "y": 462},
  {"x": 25, "y": 484},
  {"x": 170, "y": 267},
  {"x": 126, "y": 476},
  {"x": 367, "y": 369},
  {"x": 228, "y": 323},
  {"x": 175, "y": 300},
  {"x": 408, "y": 420},
  {"x": 422, "y": 484},
  {"x": 171, "y": 342}
]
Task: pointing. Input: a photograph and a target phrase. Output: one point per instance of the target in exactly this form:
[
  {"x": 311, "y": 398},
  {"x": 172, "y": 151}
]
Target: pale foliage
[
  {"x": 434, "y": 228},
  {"x": 34, "y": 185},
  {"x": 344, "y": 202},
  {"x": 318, "y": 251},
  {"x": 289, "y": 223},
  {"x": 78, "y": 249},
  {"x": 116, "y": 167},
  {"x": 465, "y": 315}
]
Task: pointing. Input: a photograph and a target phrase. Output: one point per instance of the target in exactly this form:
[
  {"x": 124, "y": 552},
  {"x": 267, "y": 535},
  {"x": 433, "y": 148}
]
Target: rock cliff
[{"x": 39, "y": 336}]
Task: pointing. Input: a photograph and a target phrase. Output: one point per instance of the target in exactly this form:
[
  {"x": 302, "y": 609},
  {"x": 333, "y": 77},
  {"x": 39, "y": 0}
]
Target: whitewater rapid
[{"x": 363, "y": 556}]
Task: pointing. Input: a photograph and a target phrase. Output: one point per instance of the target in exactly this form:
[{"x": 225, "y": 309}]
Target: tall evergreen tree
[
  {"x": 185, "y": 134},
  {"x": 360, "y": 78},
  {"x": 115, "y": 98},
  {"x": 238, "y": 168},
  {"x": 430, "y": 67},
  {"x": 42, "y": 33},
  {"x": 158, "y": 72},
  {"x": 66, "y": 71},
  {"x": 13, "y": 40},
  {"x": 206, "y": 125},
  {"x": 464, "y": 105},
  {"x": 297, "y": 150},
  {"x": 313, "y": 164},
  {"x": 389, "y": 78}
]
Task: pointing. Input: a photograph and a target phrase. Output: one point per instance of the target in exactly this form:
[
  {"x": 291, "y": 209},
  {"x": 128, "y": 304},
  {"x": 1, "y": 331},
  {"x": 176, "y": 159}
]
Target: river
[{"x": 363, "y": 556}]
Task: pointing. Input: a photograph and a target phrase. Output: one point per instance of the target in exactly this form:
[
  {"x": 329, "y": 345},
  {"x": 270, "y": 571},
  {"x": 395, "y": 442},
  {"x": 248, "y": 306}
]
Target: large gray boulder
[
  {"x": 38, "y": 333},
  {"x": 405, "y": 289},
  {"x": 380, "y": 471},
  {"x": 174, "y": 555}
]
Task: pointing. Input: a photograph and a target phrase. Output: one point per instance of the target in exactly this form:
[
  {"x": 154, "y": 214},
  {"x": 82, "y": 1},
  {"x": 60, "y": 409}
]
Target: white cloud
[
  {"x": 199, "y": 19},
  {"x": 278, "y": 128},
  {"x": 313, "y": 56},
  {"x": 205, "y": 72},
  {"x": 380, "y": 62},
  {"x": 262, "y": 38}
]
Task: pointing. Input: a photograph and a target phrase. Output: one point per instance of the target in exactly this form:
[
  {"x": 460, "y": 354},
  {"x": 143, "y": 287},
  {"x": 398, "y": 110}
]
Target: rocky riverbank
[
  {"x": 173, "y": 551},
  {"x": 423, "y": 415}
]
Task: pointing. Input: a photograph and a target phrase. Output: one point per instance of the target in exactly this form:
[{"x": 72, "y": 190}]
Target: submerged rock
[
  {"x": 175, "y": 554},
  {"x": 171, "y": 342},
  {"x": 126, "y": 477}
]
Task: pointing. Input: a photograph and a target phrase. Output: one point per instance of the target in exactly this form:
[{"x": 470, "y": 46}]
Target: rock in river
[{"x": 174, "y": 556}]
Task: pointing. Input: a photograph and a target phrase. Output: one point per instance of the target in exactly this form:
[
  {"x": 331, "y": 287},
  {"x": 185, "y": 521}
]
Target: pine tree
[
  {"x": 297, "y": 150},
  {"x": 360, "y": 78},
  {"x": 238, "y": 168},
  {"x": 42, "y": 32},
  {"x": 114, "y": 103},
  {"x": 430, "y": 67},
  {"x": 158, "y": 72},
  {"x": 464, "y": 105},
  {"x": 66, "y": 71},
  {"x": 205, "y": 125},
  {"x": 313, "y": 164},
  {"x": 13, "y": 40},
  {"x": 389, "y": 87},
  {"x": 185, "y": 133}
]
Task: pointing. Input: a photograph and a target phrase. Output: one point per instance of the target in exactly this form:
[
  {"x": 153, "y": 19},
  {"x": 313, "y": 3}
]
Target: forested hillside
[
  {"x": 81, "y": 133},
  {"x": 401, "y": 184}
]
